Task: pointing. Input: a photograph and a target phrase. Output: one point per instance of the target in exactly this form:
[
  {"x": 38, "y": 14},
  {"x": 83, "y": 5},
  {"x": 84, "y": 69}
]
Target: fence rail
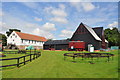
[
  {"x": 18, "y": 52},
  {"x": 31, "y": 57}
]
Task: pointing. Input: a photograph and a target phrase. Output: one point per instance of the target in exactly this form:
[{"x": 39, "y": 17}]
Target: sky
[{"x": 56, "y": 20}]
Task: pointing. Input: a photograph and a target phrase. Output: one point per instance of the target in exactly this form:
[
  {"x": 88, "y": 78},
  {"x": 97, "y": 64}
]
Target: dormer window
[{"x": 13, "y": 34}]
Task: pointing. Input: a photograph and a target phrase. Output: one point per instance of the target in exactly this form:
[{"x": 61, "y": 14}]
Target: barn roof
[
  {"x": 98, "y": 31},
  {"x": 30, "y": 36},
  {"x": 92, "y": 32},
  {"x": 57, "y": 42}
]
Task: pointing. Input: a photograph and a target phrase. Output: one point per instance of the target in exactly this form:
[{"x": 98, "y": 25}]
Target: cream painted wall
[{"x": 15, "y": 39}]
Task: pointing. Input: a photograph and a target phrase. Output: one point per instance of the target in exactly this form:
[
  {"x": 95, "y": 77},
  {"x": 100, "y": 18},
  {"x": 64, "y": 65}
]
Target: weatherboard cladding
[
  {"x": 92, "y": 32},
  {"x": 83, "y": 33},
  {"x": 87, "y": 37},
  {"x": 56, "y": 42}
]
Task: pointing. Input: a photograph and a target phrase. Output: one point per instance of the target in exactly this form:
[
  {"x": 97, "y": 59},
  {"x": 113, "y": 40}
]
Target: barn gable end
[{"x": 88, "y": 35}]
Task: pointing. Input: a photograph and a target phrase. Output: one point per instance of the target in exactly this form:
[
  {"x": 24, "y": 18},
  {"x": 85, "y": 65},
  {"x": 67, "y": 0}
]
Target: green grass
[{"x": 52, "y": 65}]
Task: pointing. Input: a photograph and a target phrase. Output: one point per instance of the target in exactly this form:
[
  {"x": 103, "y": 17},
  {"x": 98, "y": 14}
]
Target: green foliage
[
  {"x": 4, "y": 39},
  {"x": 11, "y": 30},
  {"x": 112, "y": 36}
]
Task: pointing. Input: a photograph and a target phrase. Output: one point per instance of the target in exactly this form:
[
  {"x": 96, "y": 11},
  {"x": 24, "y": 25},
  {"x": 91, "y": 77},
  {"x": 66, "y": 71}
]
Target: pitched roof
[
  {"x": 98, "y": 31},
  {"x": 30, "y": 36},
  {"x": 92, "y": 32},
  {"x": 57, "y": 42}
]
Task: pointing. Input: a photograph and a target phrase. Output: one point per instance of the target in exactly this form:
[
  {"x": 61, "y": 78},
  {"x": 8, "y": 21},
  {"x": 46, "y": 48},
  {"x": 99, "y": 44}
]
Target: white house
[{"x": 23, "y": 40}]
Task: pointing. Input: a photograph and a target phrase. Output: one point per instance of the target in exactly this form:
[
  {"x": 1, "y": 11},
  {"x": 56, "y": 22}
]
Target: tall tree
[
  {"x": 11, "y": 30},
  {"x": 112, "y": 35},
  {"x": 4, "y": 39}
]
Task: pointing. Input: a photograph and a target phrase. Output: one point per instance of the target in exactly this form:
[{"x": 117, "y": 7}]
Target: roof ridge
[{"x": 29, "y": 34}]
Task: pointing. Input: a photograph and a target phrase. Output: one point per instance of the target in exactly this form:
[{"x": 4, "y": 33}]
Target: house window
[
  {"x": 16, "y": 36},
  {"x": 13, "y": 39},
  {"x": 29, "y": 41},
  {"x": 11, "y": 36},
  {"x": 22, "y": 40}
]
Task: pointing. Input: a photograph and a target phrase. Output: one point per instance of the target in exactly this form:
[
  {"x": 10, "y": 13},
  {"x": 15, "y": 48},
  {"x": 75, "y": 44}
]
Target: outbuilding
[{"x": 88, "y": 36}]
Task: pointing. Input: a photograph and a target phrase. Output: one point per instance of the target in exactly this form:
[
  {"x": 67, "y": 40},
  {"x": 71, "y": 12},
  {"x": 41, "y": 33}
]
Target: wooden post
[
  {"x": 33, "y": 56},
  {"x": 30, "y": 51},
  {"x": 30, "y": 58},
  {"x": 24, "y": 60},
  {"x": 18, "y": 62},
  {"x": 73, "y": 57},
  {"x": 108, "y": 58}
]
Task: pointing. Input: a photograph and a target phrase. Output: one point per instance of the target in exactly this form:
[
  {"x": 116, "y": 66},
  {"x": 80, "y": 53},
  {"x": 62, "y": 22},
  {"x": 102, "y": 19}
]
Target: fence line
[
  {"x": 35, "y": 55},
  {"x": 18, "y": 52}
]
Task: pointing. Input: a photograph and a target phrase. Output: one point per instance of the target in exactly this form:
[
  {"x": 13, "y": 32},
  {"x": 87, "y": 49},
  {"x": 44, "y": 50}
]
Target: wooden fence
[
  {"x": 19, "y": 52},
  {"x": 31, "y": 57}
]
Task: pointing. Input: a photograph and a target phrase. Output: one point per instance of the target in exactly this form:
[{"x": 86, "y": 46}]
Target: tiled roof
[{"x": 30, "y": 37}]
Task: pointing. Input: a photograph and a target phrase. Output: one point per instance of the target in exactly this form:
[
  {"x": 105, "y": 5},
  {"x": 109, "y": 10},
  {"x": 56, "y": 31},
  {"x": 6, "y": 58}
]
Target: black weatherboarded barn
[
  {"x": 56, "y": 44},
  {"x": 94, "y": 36}
]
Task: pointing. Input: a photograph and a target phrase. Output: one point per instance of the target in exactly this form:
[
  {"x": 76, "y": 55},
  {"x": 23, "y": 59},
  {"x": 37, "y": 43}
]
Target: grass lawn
[{"x": 52, "y": 65}]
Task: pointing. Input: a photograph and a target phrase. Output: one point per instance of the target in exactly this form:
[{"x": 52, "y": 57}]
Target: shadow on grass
[{"x": 89, "y": 60}]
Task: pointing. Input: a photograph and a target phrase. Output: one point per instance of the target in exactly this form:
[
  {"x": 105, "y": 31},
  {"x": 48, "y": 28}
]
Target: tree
[
  {"x": 49, "y": 39},
  {"x": 11, "y": 30},
  {"x": 112, "y": 36},
  {"x": 4, "y": 39}
]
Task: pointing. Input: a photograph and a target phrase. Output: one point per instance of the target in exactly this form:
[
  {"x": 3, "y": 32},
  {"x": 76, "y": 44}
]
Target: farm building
[
  {"x": 56, "y": 44},
  {"x": 81, "y": 39},
  {"x": 22, "y": 40}
]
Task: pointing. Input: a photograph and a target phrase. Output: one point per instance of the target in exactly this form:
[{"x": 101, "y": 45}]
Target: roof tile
[{"x": 31, "y": 37}]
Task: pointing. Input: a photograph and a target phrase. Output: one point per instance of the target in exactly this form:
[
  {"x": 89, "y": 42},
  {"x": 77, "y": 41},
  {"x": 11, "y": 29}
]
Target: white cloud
[
  {"x": 62, "y": 6},
  {"x": 27, "y": 27},
  {"x": 45, "y": 30},
  {"x": 32, "y": 5},
  {"x": 59, "y": 14},
  {"x": 66, "y": 33},
  {"x": 59, "y": 20},
  {"x": 40, "y": 32},
  {"x": 1, "y": 13},
  {"x": 114, "y": 24},
  {"x": 49, "y": 27},
  {"x": 37, "y": 19},
  {"x": 48, "y": 9},
  {"x": 86, "y": 6},
  {"x": 3, "y": 27}
]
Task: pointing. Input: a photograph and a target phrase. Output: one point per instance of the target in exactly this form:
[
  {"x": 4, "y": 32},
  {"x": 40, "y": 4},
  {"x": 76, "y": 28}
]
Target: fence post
[
  {"x": 33, "y": 56},
  {"x": 30, "y": 51},
  {"x": 30, "y": 58},
  {"x": 24, "y": 60},
  {"x": 18, "y": 62}
]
